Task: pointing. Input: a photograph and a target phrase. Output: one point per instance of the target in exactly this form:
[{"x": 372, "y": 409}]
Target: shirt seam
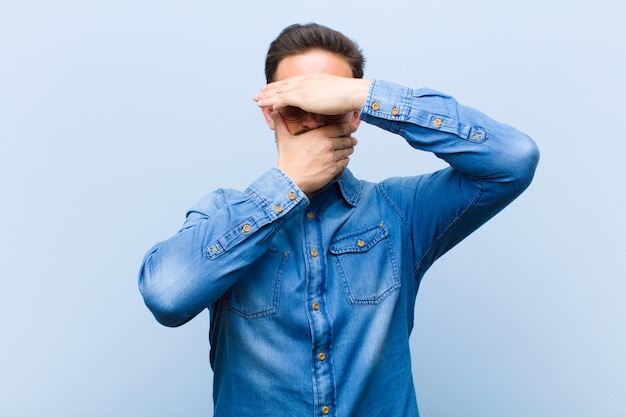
[{"x": 395, "y": 208}]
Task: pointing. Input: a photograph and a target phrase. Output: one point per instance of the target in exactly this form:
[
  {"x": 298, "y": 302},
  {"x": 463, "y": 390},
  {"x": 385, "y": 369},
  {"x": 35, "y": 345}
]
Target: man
[{"x": 311, "y": 275}]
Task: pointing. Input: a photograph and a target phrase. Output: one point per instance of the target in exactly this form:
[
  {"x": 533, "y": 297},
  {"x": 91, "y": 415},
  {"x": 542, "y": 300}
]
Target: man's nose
[{"x": 313, "y": 121}]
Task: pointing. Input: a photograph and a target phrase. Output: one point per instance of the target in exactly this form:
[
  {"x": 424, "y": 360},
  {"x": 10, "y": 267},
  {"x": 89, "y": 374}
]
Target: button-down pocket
[
  {"x": 366, "y": 264},
  {"x": 257, "y": 294}
]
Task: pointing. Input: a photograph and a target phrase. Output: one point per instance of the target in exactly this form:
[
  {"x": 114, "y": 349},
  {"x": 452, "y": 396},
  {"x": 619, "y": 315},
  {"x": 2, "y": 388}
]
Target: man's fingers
[
  {"x": 344, "y": 142},
  {"x": 270, "y": 95},
  {"x": 339, "y": 130},
  {"x": 343, "y": 153}
]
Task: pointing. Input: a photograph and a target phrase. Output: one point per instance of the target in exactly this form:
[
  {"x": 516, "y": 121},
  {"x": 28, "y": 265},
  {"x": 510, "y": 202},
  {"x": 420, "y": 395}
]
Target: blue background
[{"x": 116, "y": 116}]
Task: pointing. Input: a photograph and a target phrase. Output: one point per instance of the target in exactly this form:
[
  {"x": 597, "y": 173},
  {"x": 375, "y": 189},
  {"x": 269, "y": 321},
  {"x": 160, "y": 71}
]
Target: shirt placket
[{"x": 318, "y": 316}]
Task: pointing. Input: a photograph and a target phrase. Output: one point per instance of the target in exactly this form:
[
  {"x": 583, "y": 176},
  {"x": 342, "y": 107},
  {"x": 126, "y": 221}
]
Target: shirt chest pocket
[
  {"x": 256, "y": 294},
  {"x": 366, "y": 264}
]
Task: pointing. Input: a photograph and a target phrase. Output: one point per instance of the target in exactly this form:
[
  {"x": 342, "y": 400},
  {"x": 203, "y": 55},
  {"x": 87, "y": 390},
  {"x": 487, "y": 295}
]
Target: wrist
[{"x": 360, "y": 92}]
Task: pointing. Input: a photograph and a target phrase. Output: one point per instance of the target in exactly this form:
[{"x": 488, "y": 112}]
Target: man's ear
[
  {"x": 269, "y": 117},
  {"x": 356, "y": 121}
]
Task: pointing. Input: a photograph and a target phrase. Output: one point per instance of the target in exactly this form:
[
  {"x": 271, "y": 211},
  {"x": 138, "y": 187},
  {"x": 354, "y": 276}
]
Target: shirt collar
[{"x": 350, "y": 187}]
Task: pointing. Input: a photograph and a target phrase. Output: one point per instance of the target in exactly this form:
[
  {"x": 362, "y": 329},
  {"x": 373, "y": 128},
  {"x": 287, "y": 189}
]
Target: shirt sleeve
[
  {"x": 491, "y": 163},
  {"x": 226, "y": 231}
]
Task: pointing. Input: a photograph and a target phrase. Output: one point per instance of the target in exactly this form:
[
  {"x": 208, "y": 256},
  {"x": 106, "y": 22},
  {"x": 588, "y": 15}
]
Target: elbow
[
  {"x": 160, "y": 296},
  {"x": 165, "y": 310},
  {"x": 521, "y": 162}
]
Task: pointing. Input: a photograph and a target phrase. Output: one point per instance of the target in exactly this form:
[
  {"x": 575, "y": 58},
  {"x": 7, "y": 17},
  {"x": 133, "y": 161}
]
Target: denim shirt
[{"x": 312, "y": 301}]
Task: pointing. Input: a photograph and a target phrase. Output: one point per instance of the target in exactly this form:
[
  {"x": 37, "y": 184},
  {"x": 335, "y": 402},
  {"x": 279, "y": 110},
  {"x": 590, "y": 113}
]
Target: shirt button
[
  {"x": 316, "y": 306},
  {"x": 321, "y": 356},
  {"x": 375, "y": 106},
  {"x": 395, "y": 111},
  {"x": 246, "y": 228},
  {"x": 291, "y": 195},
  {"x": 277, "y": 208},
  {"x": 325, "y": 410},
  {"x": 360, "y": 243},
  {"x": 437, "y": 122},
  {"x": 310, "y": 215},
  {"x": 314, "y": 252}
]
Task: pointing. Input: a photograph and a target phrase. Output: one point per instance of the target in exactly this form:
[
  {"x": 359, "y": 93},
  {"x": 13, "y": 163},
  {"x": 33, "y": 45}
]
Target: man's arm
[
  {"x": 316, "y": 93},
  {"x": 223, "y": 233},
  {"x": 491, "y": 163}
]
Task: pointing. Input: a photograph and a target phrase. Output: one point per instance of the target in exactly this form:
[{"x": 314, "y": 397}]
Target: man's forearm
[{"x": 467, "y": 139}]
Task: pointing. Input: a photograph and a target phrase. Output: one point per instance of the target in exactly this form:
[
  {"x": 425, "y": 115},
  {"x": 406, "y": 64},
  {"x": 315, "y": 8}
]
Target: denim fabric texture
[{"x": 312, "y": 301}]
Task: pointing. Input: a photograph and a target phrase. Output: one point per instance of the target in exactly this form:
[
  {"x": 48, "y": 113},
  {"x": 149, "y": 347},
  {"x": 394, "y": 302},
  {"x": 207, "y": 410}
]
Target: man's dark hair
[{"x": 297, "y": 39}]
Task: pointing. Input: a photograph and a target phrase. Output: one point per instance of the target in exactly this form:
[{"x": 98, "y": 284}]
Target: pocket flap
[{"x": 359, "y": 241}]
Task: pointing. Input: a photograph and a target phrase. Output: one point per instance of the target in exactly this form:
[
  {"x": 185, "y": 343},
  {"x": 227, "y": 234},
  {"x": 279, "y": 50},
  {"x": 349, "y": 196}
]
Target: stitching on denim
[
  {"x": 395, "y": 208},
  {"x": 263, "y": 205},
  {"x": 380, "y": 228},
  {"x": 356, "y": 299}
]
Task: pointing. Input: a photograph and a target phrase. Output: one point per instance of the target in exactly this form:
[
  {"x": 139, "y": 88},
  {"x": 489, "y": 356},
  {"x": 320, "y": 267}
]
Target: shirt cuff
[
  {"x": 388, "y": 103},
  {"x": 275, "y": 193}
]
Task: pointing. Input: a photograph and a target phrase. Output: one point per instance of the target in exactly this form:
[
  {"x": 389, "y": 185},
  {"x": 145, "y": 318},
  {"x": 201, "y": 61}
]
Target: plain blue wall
[{"x": 116, "y": 116}]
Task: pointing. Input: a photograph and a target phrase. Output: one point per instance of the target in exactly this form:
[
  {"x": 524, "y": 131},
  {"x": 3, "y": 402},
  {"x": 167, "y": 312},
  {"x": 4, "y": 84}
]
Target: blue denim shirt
[{"x": 311, "y": 302}]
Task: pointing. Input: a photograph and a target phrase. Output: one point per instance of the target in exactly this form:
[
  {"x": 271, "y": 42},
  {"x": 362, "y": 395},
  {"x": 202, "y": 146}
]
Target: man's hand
[
  {"x": 314, "y": 158},
  {"x": 316, "y": 93}
]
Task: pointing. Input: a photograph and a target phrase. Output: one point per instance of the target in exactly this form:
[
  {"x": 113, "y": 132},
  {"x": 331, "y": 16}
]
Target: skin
[{"x": 311, "y": 151}]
